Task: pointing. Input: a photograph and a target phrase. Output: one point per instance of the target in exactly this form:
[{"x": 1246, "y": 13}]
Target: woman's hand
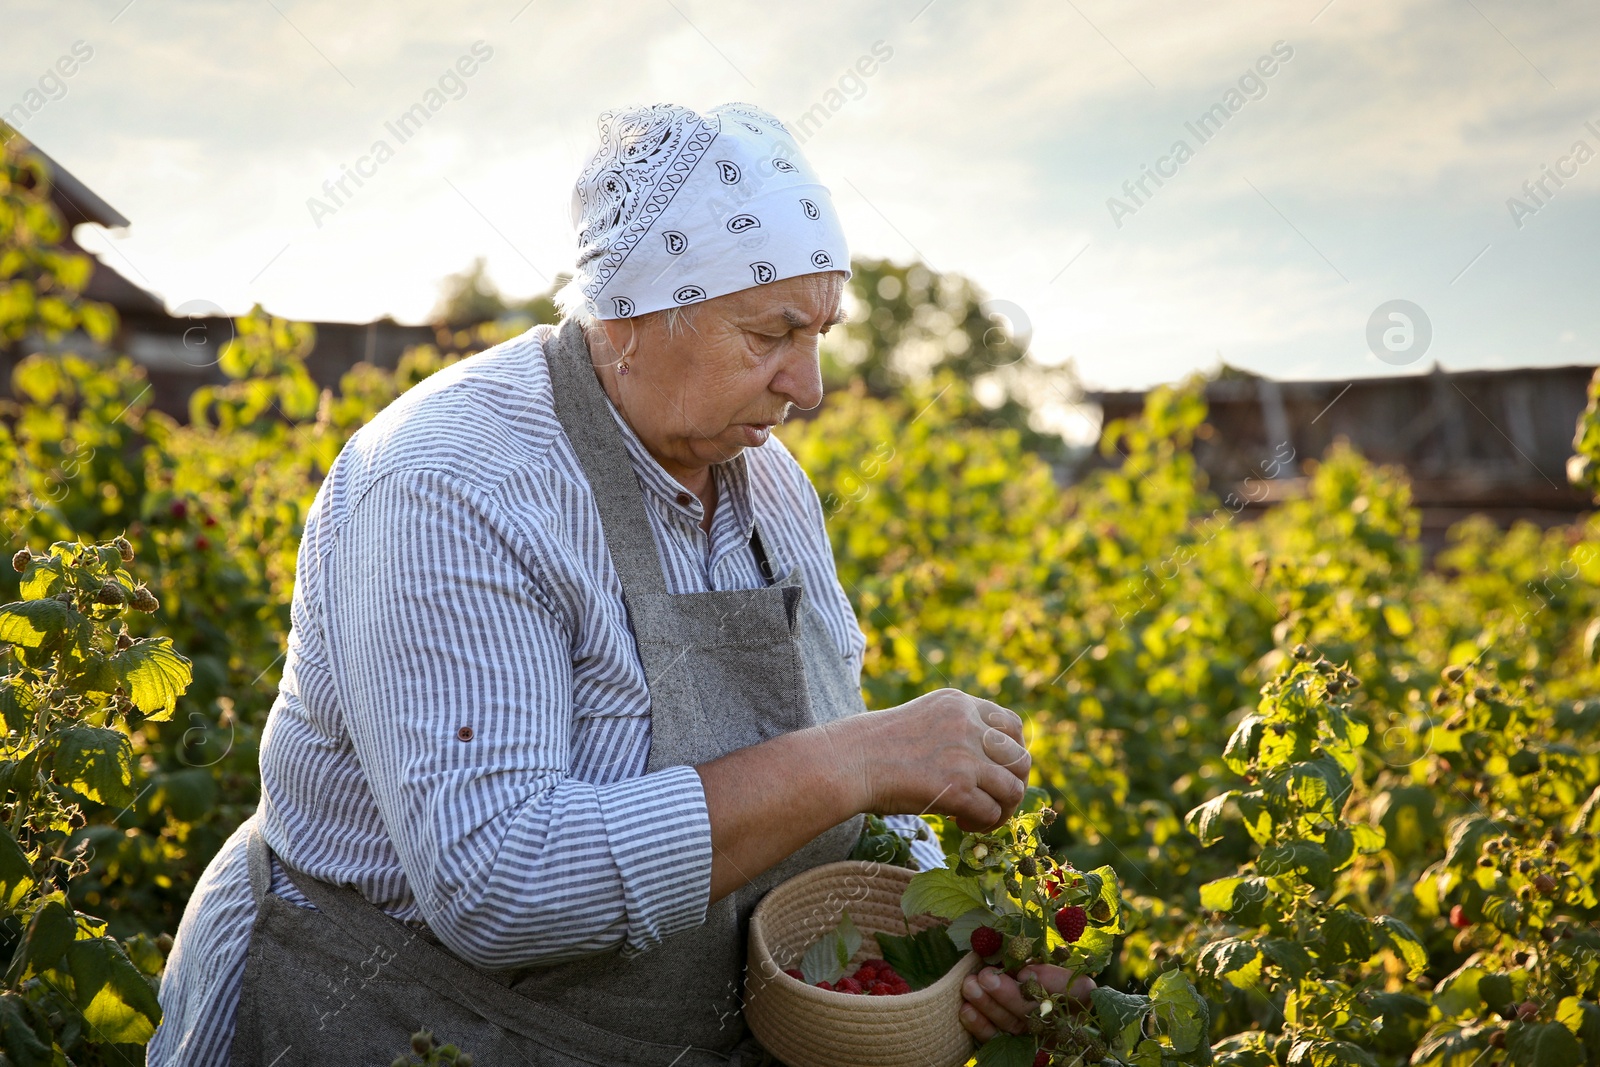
[
  {"x": 995, "y": 1002},
  {"x": 944, "y": 752}
]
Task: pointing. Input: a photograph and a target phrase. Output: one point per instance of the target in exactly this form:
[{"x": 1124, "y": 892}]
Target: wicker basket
[{"x": 809, "y": 1027}]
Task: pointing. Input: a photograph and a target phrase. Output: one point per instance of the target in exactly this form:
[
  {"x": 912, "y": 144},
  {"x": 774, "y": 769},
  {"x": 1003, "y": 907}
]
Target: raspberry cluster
[{"x": 874, "y": 978}]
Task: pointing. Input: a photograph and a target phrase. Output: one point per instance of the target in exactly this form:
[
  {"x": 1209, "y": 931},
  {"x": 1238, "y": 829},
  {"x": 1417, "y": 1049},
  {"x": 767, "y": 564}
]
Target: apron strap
[{"x": 585, "y": 413}]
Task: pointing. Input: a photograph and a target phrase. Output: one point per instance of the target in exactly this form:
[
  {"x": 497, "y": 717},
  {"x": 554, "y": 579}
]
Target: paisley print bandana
[{"x": 678, "y": 207}]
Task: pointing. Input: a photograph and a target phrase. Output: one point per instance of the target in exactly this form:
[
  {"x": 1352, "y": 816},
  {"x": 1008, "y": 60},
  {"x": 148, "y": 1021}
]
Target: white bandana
[{"x": 678, "y": 207}]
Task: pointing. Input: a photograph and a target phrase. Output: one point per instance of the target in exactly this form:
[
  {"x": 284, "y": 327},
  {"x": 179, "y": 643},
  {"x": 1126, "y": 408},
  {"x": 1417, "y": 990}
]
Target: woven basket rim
[{"x": 827, "y": 998}]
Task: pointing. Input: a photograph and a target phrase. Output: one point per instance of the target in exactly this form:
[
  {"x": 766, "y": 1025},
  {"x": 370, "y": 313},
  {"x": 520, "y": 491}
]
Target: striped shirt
[{"x": 462, "y": 727}]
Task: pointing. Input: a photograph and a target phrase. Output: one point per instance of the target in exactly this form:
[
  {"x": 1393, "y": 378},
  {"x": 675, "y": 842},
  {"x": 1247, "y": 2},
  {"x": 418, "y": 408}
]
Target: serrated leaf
[
  {"x": 1218, "y": 895},
  {"x": 42, "y": 579},
  {"x": 1346, "y": 936},
  {"x": 1290, "y": 957},
  {"x": 921, "y": 959},
  {"x": 18, "y": 1037},
  {"x": 1451, "y": 1046},
  {"x": 1305, "y": 858},
  {"x": 1120, "y": 1015},
  {"x": 18, "y": 705},
  {"x": 44, "y": 942},
  {"x": 1400, "y": 937},
  {"x": 31, "y": 623},
  {"x": 1205, "y": 821},
  {"x": 115, "y": 999},
  {"x": 1008, "y": 1050},
  {"x": 1496, "y": 990},
  {"x": 1243, "y": 744},
  {"x": 943, "y": 893},
  {"x": 96, "y": 762},
  {"x": 154, "y": 675},
  {"x": 16, "y": 872},
  {"x": 1183, "y": 1013},
  {"x": 1543, "y": 1045}
]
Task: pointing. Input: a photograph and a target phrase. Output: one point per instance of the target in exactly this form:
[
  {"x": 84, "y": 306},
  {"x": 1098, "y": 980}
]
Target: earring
[{"x": 622, "y": 366}]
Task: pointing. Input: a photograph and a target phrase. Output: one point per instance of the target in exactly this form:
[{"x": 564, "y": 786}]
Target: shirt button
[
  {"x": 464, "y": 734},
  {"x": 685, "y": 499}
]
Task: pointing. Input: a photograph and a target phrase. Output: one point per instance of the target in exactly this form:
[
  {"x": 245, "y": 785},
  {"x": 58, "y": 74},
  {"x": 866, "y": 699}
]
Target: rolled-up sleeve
[{"x": 456, "y": 675}]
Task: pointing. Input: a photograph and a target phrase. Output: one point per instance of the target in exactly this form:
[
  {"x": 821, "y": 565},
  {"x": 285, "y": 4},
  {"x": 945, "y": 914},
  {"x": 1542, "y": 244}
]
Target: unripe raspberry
[
  {"x": 1047, "y": 816},
  {"x": 1100, "y": 911},
  {"x": 401, "y": 1061},
  {"x": 1545, "y": 884},
  {"x": 422, "y": 1042},
  {"x": 124, "y": 549},
  {"x": 1027, "y": 867},
  {"x": 1033, "y": 990},
  {"x": 1019, "y": 948},
  {"x": 21, "y": 560},
  {"x": 111, "y": 593},
  {"x": 143, "y": 600},
  {"x": 464, "y": 1060}
]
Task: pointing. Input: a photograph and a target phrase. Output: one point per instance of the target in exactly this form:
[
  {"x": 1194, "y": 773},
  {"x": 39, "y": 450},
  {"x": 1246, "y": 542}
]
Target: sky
[{"x": 1361, "y": 152}]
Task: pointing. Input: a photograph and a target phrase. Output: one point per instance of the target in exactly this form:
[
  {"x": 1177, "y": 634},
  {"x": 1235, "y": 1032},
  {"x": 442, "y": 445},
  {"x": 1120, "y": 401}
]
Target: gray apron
[{"x": 347, "y": 984}]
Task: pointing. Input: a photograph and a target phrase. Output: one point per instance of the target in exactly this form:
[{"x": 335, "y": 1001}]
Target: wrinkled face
[{"x": 729, "y": 373}]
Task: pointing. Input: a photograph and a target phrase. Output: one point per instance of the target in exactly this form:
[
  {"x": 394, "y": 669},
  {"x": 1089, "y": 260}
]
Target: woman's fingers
[
  {"x": 1059, "y": 980},
  {"x": 1005, "y": 752},
  {"x": 996, "y": 1000},
  {"x": 1003, "y": 719}
]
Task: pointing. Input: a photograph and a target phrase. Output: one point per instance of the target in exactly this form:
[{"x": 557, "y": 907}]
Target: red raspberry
[
  {"x": 209, "y": 521},
  {"x": 986, "y": 941},
  {"x": 179, "y": 509},
  {"x": 1458, "y": 918},
  {"x": 202, "y": 542},
  {"x": 794, "y": 972},
  {"x": 1041, "y": 1059},
  {"x": 881, "y": 990},
  {"x": 848, "y": 985},
  {"x": 1071, "y": 921},
  {"x": 866, "y": 972},
  {"x": 825, "y": 985},
  {"x": 1052, "y": 886}
]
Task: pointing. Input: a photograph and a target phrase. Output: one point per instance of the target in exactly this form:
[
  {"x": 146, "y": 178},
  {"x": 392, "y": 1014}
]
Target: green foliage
[
  {"x": 426, "y": 1051},
  {"x": 77, "y": 684}
]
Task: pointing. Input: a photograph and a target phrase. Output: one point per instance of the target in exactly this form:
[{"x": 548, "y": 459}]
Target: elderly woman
[{"x": 571, "y": 680}]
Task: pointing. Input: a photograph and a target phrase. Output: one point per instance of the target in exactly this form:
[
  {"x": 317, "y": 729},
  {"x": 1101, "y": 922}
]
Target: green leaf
[
  {"x": 18, "y": 705},
  {"x": 921, "y": 959},
  {"x": 1243, "y": 744},
  {"x": 943, "y": 893},
  {"x": 1008, "y": 1050},
  {"x": 1309, "y": 860},
  {"x": 19, "y": 1037},
  {"x": 30, "y": 623},
  {"x": 1218, "y": 895},
  {"x": 1183, "y": 1013},
  {"x": 42, "y": 579},
  {"x": 829, "y": 955},
  {"x": 1121, "y": 1016},
  {"x": 1451, "y": 1046},
  {"x": 1496, "y": 990},
  {"x": 49, "y": 932},
  {"x": 1311, "y": 1053},
  {"x": 154, "y": 675},
  {"x": 1458, "y": 994},
  {"x": 95, "y": 762},
  {"x": 1205, "y": 821},
  {"x": 117, "y": 1001},
  {"x": 1233, "y": 960},
  {"x": 1583, "y": 1019},
  {"x": 1400, "y": 1021},
  {"x": 1290, "y": 957},
  {"x": 1111, "y": 893},
  {"x": 16, "y": 872},
  {"x": 1346, "y": 936},
  {"x": 1543, "y": 1045},
  {"x": 1407, "y": 945}
]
